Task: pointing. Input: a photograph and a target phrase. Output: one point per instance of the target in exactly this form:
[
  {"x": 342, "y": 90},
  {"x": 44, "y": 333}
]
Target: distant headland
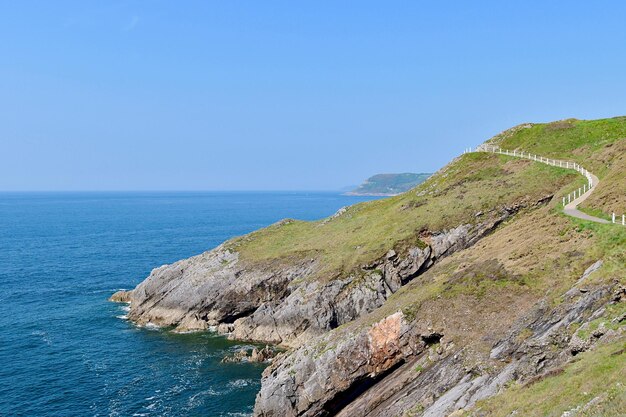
[{"x": 389, "y": 184}]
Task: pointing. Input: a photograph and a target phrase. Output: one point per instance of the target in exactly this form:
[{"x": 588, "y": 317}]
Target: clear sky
[{"x": 286, "y": 95}]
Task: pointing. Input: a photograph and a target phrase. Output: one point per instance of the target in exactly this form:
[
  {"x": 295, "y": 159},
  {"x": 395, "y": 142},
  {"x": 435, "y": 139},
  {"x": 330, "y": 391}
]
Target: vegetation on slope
[
  {"x": 475, "y": 295},
  {"x": 598, "y": 145},
  {"x": 593, "y": 385},
  {"x": 471, "y": 184},
  {"x": 582, "y": 141}
]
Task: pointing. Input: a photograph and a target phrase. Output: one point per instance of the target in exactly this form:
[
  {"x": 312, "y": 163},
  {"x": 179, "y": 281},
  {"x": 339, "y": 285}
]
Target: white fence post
[
  {"x": 554, "y": 162},
  {"x": 623, "y": 219}
]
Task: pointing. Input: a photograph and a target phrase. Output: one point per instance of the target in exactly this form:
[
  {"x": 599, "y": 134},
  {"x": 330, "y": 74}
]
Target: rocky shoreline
[{"x": 216, "y": 291}]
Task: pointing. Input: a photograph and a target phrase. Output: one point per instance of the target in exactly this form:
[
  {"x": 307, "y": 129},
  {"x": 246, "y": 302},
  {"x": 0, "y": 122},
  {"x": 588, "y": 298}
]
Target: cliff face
[
  {"x": 429, "y": 303},
  {"x": 441, "y": 344},
  {"x": 397, "y": 365},
  {"x": 278, "y": 304}
]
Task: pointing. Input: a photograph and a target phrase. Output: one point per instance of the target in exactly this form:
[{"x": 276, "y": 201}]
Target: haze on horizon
[{"x": 130, "y": 95}]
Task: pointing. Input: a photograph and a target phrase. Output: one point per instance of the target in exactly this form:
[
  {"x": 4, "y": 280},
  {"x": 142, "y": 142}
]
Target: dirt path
[{"x": 571, "y": 209}]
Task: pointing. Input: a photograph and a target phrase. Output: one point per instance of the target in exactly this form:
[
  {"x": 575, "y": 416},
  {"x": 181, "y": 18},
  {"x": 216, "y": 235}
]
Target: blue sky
[{"x": 273, "y": 95}]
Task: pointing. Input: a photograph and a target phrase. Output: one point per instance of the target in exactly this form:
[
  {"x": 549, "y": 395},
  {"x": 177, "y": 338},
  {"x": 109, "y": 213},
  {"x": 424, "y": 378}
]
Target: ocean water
[{"x": 66, "y": 351}]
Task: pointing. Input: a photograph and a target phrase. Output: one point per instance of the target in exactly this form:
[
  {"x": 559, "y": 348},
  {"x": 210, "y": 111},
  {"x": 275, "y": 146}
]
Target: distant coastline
[
  {"x": 388, "y": 185},
  {"x": 357, "y": 194}
]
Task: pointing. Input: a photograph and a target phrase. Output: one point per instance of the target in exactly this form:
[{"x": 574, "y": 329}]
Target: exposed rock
[
  {"x": 275, "y": 303},
  {"x": 315, "y": 307},
  {"x": 255, "y": 355},
  {"x": 577, "y": 344},
  {"x": 389, "y": 368},
  {"x": 225, "y": 328},
  {"x": 239, "y": 356},
  {"x": 576, "y": 289},
  {"x": 262, "y": 355},
  {"x": 619, "y": 294},
  {"x": 322, "y": 379},
  {"x": 620, "y": 319},
  {"x": 338, "y": 213},
  {"x": 120, "y": 297},
  {"x": 209, "y": 289}
]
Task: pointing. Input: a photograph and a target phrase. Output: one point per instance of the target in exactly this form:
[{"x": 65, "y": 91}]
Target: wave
[
  {"x": 151, "y": 326},
  {"x": 44, "y": 336},
  {"x": 240, "y": 383}
]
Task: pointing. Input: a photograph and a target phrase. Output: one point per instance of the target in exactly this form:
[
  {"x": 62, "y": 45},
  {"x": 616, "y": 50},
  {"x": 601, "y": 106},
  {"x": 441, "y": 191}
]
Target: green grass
[
  {"x": 595, "y": 212},
  {"x": 571, "y": 139},
  {"x": 608, "y": 320},
  {"x": 610, "y": 241},
  {"x": 366, "y": 231},
  {"x": 472, "y": 183},
  {"x": 479, "y": 182},
  {"x": 598, "y": 145},
  {"x": 482, "y": 278},
  {"x": 600, "y": 373}
]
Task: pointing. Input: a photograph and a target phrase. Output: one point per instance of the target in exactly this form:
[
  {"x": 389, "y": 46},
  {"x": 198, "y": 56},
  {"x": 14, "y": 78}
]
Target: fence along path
[{"x": 573, "y": 199}]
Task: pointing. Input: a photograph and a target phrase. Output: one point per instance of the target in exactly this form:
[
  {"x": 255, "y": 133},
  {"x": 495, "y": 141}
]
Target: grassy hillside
[
  {"x": 390, "y": 184},
  {"x": 594, "y": 385},
  {"x": 470, "y": 184},
  {"x": 598, "y": 145},
  {"x": 584, "y": 141},
  {"x": 477, "y": 294},
  {"x": 366, "y": 231}
]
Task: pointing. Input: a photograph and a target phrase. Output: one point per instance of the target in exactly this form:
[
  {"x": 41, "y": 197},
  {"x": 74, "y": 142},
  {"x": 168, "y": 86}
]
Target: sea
[{"x": 66, "y": 351}]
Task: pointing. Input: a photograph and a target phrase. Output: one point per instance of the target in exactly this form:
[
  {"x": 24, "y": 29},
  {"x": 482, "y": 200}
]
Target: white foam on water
[
  {"x": 239, "y": 383},
  {"x": 186, "y": 331},
  {"x": 236, "y": 348},
  {"x": 44, "y": 336},
  {"x": 196, "y": 399},
  {"x": 151, "y": 326}
]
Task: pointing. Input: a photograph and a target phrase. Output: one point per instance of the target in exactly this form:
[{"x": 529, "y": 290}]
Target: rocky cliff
[
  {"x": 438, "y": 301},
  {"x": 278, "y": 304}
]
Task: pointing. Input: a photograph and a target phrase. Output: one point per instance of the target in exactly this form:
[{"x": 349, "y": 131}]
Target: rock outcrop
[
  {"x": 121, "y": 296},
  {"x": 255, "y": 355},
  {"x": 275, "y": 302},
  {"x": 402, "y": 367}
]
